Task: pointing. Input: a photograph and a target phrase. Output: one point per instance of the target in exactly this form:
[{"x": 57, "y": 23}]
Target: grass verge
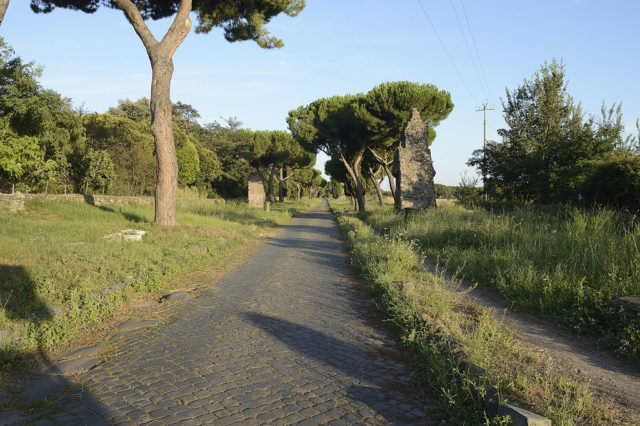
[
  {"x": 567, "y": 264},
  {"x": 59, "y": 276},
  {"x": 440, "y": 327}
]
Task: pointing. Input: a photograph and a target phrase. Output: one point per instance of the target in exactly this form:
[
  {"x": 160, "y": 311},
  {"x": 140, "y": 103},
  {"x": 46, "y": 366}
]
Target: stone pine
[{"x": 240, "y": 19}]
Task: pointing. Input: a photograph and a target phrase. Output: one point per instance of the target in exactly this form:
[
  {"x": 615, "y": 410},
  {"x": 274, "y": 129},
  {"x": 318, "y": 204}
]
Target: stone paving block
[
  {"x": 83, "y": 352},
  {"x": 264, "y": 345},
  {"x": 71, "y": 366}
]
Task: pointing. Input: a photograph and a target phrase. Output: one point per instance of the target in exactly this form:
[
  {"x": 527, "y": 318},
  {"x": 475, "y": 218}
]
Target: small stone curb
[
  {"x": 86, "y": 351},
  {"x": 136, "y": 325},
  {"x": 175, "y": 297},
  {"x": 71, "y": 366}
]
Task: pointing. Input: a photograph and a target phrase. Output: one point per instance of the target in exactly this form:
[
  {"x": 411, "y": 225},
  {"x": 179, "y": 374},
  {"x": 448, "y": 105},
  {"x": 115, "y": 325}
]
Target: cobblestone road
[{"x": 287, "y": 337}]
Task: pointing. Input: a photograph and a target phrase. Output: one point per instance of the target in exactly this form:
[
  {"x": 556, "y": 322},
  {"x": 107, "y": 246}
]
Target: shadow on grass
[{"x": 131, "y": 217}]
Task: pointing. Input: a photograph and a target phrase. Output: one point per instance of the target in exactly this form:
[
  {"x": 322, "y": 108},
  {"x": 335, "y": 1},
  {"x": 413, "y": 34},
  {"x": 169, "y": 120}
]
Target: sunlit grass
[
  {"x": 569, "y": 264},
  {"x": 55, "y": 255}
]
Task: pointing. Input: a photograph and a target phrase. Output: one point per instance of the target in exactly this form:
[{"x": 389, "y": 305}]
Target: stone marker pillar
[
  {"x": 414, "y": 185},
  {"x": 256, "y": 193}
]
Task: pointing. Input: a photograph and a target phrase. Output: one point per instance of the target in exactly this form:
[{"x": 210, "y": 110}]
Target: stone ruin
[
  {"x": 256, "y": 193},
  {"x": 414, "y": 184}
]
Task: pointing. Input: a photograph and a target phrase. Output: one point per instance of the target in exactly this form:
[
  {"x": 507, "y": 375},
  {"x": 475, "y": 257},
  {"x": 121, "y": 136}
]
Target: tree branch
[
  {"x": 133, "y": 16},
  {"x": 179, "y": 28}
]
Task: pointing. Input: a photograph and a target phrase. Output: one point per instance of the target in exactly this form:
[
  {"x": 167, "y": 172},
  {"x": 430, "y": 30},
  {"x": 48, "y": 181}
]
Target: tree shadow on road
[{"x": 378, "y": 379}]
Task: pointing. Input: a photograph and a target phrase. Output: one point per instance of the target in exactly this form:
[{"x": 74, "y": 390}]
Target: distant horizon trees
[
  {"x": 47, "y": 146},
  {"x": 240, "y": 19}
]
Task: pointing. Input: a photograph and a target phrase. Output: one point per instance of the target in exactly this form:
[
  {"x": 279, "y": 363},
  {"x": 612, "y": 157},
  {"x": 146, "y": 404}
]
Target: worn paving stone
[
  {"x": 71, "y": 366},
  {"x": 286, "y": 337},
  {"x": 136, "y": 325},
  {"x": 86, "y": 351},
  {"x": 177, "y": 296}
]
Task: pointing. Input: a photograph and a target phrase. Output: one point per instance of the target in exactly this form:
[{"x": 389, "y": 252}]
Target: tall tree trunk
[
  {"x": 353, "y": 173},
  {"x": 392, "y": 184},
  {"x": 160, "y": 55},
  {"x": 377, "y": 185},
  {"x": 3, "y": 8},
  {"x": 272, "y": 173},
  {"x": 281, "y": 185},
  {"x": 298, "y": 188}
]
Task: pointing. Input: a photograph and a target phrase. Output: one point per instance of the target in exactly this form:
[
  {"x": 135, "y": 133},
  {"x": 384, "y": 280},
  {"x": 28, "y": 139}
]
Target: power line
[
  {"x": 466, "y": 43},
  {"x": 445, "y": 49},
  {"x": 475, "y": 46}
]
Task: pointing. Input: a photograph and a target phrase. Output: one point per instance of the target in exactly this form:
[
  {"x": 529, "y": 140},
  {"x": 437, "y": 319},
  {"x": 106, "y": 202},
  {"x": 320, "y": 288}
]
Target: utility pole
[{"x": 484, "y": 108}]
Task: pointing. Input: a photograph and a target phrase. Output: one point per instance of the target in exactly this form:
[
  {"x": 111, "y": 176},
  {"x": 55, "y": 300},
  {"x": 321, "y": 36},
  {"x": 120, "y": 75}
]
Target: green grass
[
  {"x": 440, "y": 328},
  {"x": 568, "y": 264},
  {"x": 55, "y": 254}
]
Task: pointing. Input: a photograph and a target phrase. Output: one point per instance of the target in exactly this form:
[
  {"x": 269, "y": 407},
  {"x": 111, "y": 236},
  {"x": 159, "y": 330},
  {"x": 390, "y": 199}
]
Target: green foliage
[
  {"x": 467, "y": 192},
  {"x": 613, "y": 182},
  {"x": 566, "y": 264},
  {"x": 441, "y": 328},
  {"x": 444, "y": 191},
  {"x": 546, "y": 139},
  {"x": 345, "y": 127},
  {"x": 19, "y": 156},
  {"x": 336, "y": 189},
  {"x": 188, "y": 164},
  {"x": 240, "y": 20},
  {"x": 99, "y": 171},
  {"x": 69, "y": 264}
]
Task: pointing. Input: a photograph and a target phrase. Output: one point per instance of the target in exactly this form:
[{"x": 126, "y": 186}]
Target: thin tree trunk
[
  {"x": 3, "y": 8},
  {"x": 13, "y": 188},
  {"x": 392, "y": 185},
  {"x": 272, "y": 173},
  {"x": 377, "y": 185},
  {"x": 160, "y": 54},
  {"x": 298, "y": 188},
  {"x": 355, "y": 177},
  {"x": 281, "y": 185}
]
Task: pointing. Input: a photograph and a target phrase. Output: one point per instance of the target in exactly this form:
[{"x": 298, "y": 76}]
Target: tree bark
[
  {"x": 384, "y": 161},
  {"x": 281, "y": 185},
  {"x": 4, "y": 4},
  {"x": 272, "y": 173},
  {"x": 353, "y": 173},
  {"x": 298, "y": 188},
  {"x": 160, "y": 55},
  {"x": 375, "y": 182}
]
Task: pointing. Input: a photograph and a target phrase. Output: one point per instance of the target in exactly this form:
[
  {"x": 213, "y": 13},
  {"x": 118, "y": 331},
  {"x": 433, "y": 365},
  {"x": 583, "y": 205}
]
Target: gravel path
[{"x": 286, "y": 337}]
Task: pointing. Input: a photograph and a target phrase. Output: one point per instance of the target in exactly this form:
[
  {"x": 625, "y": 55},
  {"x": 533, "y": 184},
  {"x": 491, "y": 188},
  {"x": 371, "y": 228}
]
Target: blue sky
[{"x": 336, "y": 47}]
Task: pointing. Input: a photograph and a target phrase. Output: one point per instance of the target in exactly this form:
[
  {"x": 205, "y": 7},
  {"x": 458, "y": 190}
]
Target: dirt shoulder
[{"x": 612, "y": 380}]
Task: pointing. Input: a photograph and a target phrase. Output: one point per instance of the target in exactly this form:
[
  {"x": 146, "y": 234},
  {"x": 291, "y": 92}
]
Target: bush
[{"x": 614, "y": 182}]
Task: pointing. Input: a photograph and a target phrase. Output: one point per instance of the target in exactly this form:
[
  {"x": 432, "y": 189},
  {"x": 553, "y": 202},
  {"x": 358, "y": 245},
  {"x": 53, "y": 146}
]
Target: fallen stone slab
[
  {"x": 135, "y": 325},
  {"x": 521, "y": 417},
  {"x": 54, "y": 311},
  {"x": 177, "y": 296},
  {"x": 71, "y": 366},
  {"x": 46, "y": 387},
  {"x": 83, "y": 352}
]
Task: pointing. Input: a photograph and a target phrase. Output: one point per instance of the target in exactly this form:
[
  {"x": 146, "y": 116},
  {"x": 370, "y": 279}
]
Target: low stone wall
[
  {"x": 96, "y": 200},
  {"x": 11, "y": 203}
]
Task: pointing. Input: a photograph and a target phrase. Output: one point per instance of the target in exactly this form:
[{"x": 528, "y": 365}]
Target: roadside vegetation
[
  {"x": 568, "y": 264},
  {"x": 448, "y": 335},
  {"x": 60, "y": 276}
]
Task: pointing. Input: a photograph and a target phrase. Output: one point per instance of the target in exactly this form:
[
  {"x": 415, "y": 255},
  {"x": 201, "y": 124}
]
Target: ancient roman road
[{"x": 288, "y": 336}]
